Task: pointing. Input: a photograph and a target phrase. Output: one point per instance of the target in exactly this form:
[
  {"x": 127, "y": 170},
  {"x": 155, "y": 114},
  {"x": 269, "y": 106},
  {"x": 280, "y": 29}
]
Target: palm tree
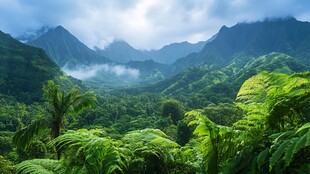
[{"x": 59, "y": 105}]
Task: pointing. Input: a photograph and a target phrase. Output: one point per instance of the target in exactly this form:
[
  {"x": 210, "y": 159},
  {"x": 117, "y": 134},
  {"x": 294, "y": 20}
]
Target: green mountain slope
[
  {"x": 66, "y": 50},
  {"x": 211, "y": 85},
  {"x": 24, "y": 69},
  {"x": 248, "y": 40}
]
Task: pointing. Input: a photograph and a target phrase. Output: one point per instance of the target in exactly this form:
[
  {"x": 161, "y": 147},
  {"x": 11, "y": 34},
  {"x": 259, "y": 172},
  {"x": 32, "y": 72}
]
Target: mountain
[
  {"x": 170, "y": 53},
  {"x": 120, "y": 51},
  {"x": 211, "y": 85},
  {"x": 66, "y": 50},
  {"x": 24, "y": 69},
  {"x": 244, "y": 41},
  {"x": 150, "y": 71}
]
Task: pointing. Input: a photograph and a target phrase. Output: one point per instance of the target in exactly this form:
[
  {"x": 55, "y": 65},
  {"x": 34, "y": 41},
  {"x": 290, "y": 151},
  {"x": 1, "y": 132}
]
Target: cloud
[
  {"x": 86, "y": 72},
  {"x": 145, "y": 24}
]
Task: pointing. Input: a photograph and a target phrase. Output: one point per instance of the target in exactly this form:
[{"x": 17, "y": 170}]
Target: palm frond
[
  {"x": 77, "y": 102},
  {"x": 23, "y": 137}
]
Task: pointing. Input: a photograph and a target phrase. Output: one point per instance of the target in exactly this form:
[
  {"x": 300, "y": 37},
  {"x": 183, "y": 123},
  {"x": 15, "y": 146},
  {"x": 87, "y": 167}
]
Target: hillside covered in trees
[{"x": 240, "y": 105}]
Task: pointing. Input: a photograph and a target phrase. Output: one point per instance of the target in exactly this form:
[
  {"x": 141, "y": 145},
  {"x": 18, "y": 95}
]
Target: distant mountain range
[
  {"x": 170, "y": 53},
  {"x": 121, "y": 51},
  {"x": 224, "y": 55}
]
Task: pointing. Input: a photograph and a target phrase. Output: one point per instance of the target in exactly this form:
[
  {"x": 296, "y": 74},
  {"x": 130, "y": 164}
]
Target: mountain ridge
[{"x": 66, "y": 50}]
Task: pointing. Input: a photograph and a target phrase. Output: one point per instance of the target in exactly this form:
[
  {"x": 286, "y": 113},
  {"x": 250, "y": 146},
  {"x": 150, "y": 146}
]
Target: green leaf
[
  {"x": 288, "y": 157},
  {"x": 261, "y": 157},
  {"x": 39, "y": 166},
  {"x": 23, "y": 137},
  {"x": 278, "y": 154}
]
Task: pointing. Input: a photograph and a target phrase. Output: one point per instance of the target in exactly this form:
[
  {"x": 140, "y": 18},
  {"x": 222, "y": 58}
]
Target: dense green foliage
[
  {"x": 249, "y": 135},
  {"x": 250, "y": 115},
  {"x": 59, "y": 105}
]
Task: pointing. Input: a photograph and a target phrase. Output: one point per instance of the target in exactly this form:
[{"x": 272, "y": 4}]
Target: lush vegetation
[
  {"x": 245, "y": 111},
  {"x": 265, "y": 130}
]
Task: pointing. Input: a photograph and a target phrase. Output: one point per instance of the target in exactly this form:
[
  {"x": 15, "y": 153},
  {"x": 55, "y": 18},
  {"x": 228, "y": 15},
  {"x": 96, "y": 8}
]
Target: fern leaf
[
  {"x": 39, "y": 166},
  {"x": 282, "y": 135},
  {"x": 261, "y": 157},
  {"x": 278, "y": 154},
  {"x": 300, "y": 143},
  {"x": 308, "y": 138},
  {"x": 23, "y": 137},
  {"x": 305, "y": 126},
  {"x": 289, "y": 153}
]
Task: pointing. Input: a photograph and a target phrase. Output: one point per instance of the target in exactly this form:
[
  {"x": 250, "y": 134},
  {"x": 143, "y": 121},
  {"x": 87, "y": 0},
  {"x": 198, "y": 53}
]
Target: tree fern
[
  {"x": 152, "y": 150},
  {"x": 100, "y": 155},
  {"x": 218, "y": 143}
]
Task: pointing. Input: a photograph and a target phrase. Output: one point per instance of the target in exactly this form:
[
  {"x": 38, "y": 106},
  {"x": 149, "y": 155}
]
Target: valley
[{"x": 235, "y": 103}]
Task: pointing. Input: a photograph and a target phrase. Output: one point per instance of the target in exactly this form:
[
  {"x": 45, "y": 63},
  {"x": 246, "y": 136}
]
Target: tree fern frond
[
  {"x": 300, "y": 143},
  {"x": 278, "y": 154},
  {"x": 23, "y": 137},
  {"x": 303, "y": 127},
  {"x": 39, "y": 166},
  {"x": 282, "y": 135},
  {"x": 261, "y": 157},
  {"x": 99, "y": 153},
  {"x": 289, "y": 153},
  {"x": 71, "y": 138}
]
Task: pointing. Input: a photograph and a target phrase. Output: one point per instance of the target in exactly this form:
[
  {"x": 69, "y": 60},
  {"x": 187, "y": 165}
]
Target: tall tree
[{"x": 60, "y": 104}]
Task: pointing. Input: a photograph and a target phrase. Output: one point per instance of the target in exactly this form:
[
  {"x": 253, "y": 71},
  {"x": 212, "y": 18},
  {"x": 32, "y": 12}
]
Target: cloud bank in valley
[
  {"x": 86, "y": 72},
  {"x": 144, "y": 24}
]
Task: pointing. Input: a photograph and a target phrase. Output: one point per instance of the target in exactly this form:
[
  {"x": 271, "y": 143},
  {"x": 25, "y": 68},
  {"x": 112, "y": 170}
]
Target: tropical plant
[
  {"x": 39, "y": 166},
  {"x": 217, "y": 143},
  {"x": 152, "y": 151},
  {"x": 174, "y": 109},
  {"x": 285, "y": 148},
  {"x": 86, "y": 151},
  {"x": 60, "y": 104}
]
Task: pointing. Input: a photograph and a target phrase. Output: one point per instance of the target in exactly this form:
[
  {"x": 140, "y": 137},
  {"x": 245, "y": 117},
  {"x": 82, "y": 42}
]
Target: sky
[{"x": 144, "y": 24}]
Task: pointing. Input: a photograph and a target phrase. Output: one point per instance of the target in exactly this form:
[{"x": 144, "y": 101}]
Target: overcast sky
[{"x": 145, "y": 24}]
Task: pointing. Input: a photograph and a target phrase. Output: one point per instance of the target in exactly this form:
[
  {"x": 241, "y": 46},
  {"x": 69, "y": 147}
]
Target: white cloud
[
  {"x": 86, "y": 72},
  {"x": 142, "y": 23}
]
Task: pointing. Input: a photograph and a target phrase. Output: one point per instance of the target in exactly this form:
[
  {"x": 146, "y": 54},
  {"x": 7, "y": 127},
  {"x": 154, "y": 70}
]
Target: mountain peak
[
  {"x": 59, "y": 27},
  {"x": 66, "y": 50}
]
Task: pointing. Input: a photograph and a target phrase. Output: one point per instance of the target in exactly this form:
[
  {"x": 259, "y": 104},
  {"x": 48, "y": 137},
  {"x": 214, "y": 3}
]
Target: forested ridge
[{"x": 247, "y": 112}]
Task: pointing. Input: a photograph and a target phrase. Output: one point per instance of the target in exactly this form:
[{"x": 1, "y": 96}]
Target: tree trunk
[{"x": 56, "y": 133}]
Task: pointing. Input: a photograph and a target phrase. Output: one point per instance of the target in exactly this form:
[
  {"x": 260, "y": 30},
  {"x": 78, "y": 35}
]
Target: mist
[{"x": 86, "y": 72}]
